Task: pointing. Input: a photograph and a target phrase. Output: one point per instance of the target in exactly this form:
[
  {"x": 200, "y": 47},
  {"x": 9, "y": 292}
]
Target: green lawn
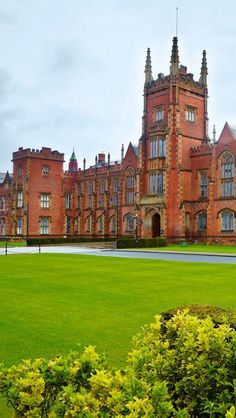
[
  {"x": 226, "y": 249},
  {"x": 12, "y": 243},
  {"x": 50, "y": 303}
]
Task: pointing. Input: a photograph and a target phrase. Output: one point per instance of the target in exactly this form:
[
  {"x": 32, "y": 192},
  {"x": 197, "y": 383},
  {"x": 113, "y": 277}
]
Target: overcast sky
[{"x": 71, "y": 71}]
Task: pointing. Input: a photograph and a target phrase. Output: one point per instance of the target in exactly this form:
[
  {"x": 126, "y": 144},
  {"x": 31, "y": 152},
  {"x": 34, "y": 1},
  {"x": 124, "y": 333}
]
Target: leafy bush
[
  {"x": 218, "y": 315},
  {"x": 141, "y": 243},
  {"x": 195, "y": 358},
  {"x": 181, "y": 367}
]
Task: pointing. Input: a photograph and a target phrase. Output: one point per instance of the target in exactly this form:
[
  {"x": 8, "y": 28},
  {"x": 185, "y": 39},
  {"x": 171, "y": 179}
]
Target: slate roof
[{"x": 233, "y": 130}]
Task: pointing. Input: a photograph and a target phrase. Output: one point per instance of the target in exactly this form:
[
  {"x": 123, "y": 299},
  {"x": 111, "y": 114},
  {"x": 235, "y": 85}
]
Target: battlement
[
  {"x": 201, "y": 150},
  {"x": 44, "y": 153}
]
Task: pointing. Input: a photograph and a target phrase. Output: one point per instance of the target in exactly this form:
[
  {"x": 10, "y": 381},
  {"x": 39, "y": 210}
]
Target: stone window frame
[{"x": 190, "y": 114}]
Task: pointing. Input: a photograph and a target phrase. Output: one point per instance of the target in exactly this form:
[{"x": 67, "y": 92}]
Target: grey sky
[{"x": 71, "y": 71}]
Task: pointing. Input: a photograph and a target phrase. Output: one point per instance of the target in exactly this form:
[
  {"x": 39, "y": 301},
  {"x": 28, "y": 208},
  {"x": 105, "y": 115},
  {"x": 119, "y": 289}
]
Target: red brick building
[{"x": 175, "y": 183}]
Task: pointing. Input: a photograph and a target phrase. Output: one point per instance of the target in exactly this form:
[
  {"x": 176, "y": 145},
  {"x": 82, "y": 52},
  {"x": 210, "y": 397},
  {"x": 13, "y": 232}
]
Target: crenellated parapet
[
  {"x": 201, "y": 150},
  {"x": 44, "y": 153}
]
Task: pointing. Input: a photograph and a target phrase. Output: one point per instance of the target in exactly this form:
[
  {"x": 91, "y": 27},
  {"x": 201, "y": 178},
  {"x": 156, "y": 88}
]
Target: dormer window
[
  {"x": 190, "y": 114},
  {"x": 159, "y": 114}
]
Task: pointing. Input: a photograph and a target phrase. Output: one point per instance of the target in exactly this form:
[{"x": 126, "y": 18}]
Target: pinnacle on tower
[
  {"x": 203, "y": 77},
  {"x": 148, "y": 68},
  {"x": 73, "y": 156},
  {"x": 174, "y": 62}
]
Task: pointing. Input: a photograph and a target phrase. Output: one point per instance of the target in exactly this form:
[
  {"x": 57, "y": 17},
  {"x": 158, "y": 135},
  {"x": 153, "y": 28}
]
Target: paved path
[{"x": 154, "y": 255}]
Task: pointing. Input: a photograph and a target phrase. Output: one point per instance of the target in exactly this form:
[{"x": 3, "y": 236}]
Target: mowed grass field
[{"x": 50, "y": 303}]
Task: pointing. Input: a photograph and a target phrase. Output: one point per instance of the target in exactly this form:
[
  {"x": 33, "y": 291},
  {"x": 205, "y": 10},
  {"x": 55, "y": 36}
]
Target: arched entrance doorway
[{"x": 156, "y": 225}]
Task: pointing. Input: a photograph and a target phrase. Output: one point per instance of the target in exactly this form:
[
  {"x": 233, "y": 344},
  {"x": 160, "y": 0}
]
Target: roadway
[{"x": 153, "y": 255}]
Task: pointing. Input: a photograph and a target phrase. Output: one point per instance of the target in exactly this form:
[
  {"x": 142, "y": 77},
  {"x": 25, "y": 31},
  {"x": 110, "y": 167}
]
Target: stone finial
[
  {"x": 84, "y": 163},
  {"x": 148, "y": 68},
  {"x": 204, "y": 72},
  {"x": 108, "y": 159},
  {"x": 174, "y": 62},
  {"x": 122, "y": 152},
  {"x": 214, "y": 133}
]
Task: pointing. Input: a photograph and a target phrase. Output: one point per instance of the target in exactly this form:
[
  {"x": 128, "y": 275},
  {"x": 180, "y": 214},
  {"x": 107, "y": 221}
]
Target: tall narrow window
[
  {"x": 160, "y": 183},
  {"x": 113, "y": 224},
  {"x": 90, "y": 194},
  {"x": 201, "y": 222},
  {"x": 102, "y": 187},
  {"x": 203, "y": 185},
  {"x": 129, "y": 223},
  {"x": 153, "y": 183},
  {"x": 153, "y": 148},
  {"x": 19, "y": 199},
  {"x": 88, "y": 224},
  {"x": 227, "y": 221},
  {"x": 68, "y": 199},
  {"x": 68, "y": 225},
  {"x": 130, "y": 189},
  {"x": 44, "y": 226},
  {"x": 2, "y": 203},
  {"x": 101, "y": 224},
  {"x": 227, "y": 175},
  {"x": 161, "y": 147},
  {"x": 2, "y": 226},
  {"x": 19, "y": 226}
]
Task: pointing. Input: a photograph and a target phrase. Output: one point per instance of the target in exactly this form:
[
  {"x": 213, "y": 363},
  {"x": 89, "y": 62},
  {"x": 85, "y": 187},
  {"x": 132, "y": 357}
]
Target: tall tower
[{"x": 174, "y": 120}]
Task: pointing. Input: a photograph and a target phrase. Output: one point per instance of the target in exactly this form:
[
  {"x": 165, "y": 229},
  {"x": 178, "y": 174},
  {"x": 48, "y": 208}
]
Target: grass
[
  {"x": 50, "y": 303},
  {"x": 226, "y": 249},
  {"x": 12, "y": 244}
]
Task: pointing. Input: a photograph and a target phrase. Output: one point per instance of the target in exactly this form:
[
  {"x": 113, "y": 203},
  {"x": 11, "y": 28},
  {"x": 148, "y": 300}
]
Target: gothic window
[
  {"x": 44, "y": 226},
  {"x": 156, "y": 183},
  {"x": 90, "y": 194},
  {"x": 113, "y": 224},
  {"x": 102, "y": 186},
  {"x": 190, "y": 114},
  {"x": 130, "y": 188},
  {"x": 19, "y": 202},
  {"x": 2, "y": 226},
  {"x": 68, "y": 225},
  {"x": 161, "y": 147},
  {"x": 227, "y": 221},
  {"x": 201, "y": 222},
  {"x": 129, "y": 222},
  {"x": 68, "y": 199},
  {"x": 45, "y": 200},
  {"x": 2, "y": 203},
  {"x": 19, "y": 226},
  {"x": 101, "y": 224},
  {"x": 227, "y": 175},
  {"x": 159, "y": 114},
  {"x": 153, "y": 148},
  {"x": 88, "y": 222},
  {"x": 203, "y": 185}
]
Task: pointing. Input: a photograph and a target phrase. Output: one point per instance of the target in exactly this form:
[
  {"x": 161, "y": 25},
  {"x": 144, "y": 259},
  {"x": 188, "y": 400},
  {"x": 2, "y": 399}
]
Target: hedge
[
  {"x": 141, "y": 243},
  {"x": 65, "y": 240}
]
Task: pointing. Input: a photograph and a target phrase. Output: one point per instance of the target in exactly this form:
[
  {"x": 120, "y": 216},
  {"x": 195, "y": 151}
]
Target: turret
[{"x": 73, "y": 164}]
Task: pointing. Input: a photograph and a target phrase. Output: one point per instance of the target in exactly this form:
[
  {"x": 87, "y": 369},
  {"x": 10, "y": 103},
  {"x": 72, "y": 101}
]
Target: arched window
[
  {"x": 88, "y": 222},
  {"x": 227, "y": 221},
  {"x": 227, "y": 175},
  {"x": 201, "y": 222},
  {"x": 113, "y": 224},
  {"x": 130, "y": 187},
  {"x": 101, "y": 224},
  {"x": 129, "y": 222}
]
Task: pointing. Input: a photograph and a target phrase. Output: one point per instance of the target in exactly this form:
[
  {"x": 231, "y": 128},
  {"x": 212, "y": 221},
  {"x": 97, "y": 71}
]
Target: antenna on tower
[{"x": 177, "y": 20}]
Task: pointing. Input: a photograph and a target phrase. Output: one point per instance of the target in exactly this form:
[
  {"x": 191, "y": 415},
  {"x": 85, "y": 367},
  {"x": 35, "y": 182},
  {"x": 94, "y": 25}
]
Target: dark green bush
[
  {"x": 141, "y": 243},
  {"x": 65, "y": 240}
]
